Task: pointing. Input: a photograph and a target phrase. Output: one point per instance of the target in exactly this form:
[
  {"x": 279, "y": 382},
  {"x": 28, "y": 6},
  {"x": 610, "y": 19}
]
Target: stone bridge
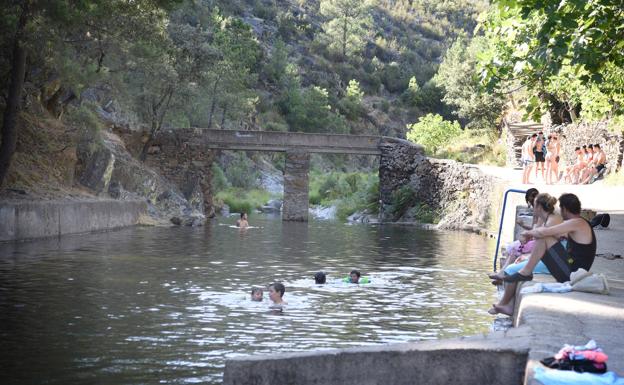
[{"x": 298, "y": 147}]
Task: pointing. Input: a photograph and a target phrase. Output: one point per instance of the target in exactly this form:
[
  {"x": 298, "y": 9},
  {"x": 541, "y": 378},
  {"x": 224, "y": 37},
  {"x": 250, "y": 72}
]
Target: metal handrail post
[{"x": 500, "y": 226}]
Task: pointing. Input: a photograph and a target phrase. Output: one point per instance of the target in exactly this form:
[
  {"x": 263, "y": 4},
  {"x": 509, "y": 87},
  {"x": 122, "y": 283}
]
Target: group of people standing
[
  {"x": 556, "y": 243},
  {"x": 545, "y": 155}
]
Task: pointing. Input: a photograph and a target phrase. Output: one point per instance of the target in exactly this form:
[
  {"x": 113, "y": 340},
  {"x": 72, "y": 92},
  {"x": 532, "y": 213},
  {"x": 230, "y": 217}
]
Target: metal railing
[{"x": 500, "y": 226}]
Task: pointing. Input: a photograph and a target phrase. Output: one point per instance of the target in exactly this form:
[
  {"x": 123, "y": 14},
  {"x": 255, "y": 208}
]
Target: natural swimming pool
[{"x": 168, "y": 305}]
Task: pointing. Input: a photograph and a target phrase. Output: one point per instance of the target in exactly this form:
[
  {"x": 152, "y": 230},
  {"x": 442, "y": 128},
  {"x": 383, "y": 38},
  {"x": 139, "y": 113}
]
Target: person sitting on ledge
[
  {"x": 561, "y": 260},
  {"x": 544, "y": 211}
]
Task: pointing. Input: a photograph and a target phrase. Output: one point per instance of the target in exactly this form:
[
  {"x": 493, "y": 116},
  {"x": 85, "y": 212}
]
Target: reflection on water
[{"x": 167, "y": 305}]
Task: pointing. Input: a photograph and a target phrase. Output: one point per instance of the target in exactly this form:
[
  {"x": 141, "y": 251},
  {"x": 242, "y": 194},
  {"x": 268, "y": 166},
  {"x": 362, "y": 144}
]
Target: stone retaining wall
[
  {"x": 28, "y": 220},
  {"x": 573, "y": 135},
  {"x": 461, "y": 196}
]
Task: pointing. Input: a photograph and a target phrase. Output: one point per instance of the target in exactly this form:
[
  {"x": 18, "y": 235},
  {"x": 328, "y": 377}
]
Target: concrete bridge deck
[{"x": 275, "y": 141}]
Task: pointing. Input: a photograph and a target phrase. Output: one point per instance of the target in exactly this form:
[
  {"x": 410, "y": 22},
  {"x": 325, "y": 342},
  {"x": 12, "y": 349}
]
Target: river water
[{"x": 168, "y": 305}]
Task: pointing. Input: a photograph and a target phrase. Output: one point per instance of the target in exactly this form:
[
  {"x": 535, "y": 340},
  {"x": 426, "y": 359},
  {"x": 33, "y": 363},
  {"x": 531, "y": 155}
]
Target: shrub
[
  {"x": 402, "y": 199},
  {"x": 219, "y": 181},
  {"x": 240, "y": 200},
  {"x": 432, "y": 131},
  {"x": 240, "y": 172}
]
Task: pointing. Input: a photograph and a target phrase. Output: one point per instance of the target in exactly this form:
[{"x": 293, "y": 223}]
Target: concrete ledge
[
  {"x": 39, "y": 219},
  {"x": 572, "y": 318},
  {"x": 437, "y": 362}
]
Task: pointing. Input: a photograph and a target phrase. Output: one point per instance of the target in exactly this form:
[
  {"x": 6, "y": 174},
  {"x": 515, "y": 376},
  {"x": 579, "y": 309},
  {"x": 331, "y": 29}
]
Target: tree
[
  {"x": 348, "y": 24},
  {"x": 542, "y": 36},
  {"x": 560, "y": 51},
  {"x": 462, "y": 89},
  {"x": 84, "y": 25},
  {"x": 432, "y": 131}
]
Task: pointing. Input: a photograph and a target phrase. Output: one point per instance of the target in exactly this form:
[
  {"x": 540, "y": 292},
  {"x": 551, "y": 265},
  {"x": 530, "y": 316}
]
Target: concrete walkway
[{"x": 551, "y": 320}]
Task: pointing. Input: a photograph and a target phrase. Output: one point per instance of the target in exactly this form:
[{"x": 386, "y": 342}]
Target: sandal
[{"x": 517, "y": 277}]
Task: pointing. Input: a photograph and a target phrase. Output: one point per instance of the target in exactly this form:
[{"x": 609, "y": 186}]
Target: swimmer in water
[
  {"x": 320, "y": 278},
  {"x": 276, "y": 292},
  {"x": 354, "y": 276},
  {"x": 256, "y": 294},
  {"x": 242, "y": 222}
]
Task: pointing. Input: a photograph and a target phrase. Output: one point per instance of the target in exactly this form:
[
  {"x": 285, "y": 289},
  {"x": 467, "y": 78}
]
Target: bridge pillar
[{"x": 295, "y": 207}]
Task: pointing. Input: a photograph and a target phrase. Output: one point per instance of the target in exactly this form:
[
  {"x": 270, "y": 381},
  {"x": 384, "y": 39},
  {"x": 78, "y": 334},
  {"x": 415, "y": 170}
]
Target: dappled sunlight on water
[{"x": 170, "y": 304}]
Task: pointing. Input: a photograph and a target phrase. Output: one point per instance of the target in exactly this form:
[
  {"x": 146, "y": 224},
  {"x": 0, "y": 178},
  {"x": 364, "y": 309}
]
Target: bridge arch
[{"x": 298, "y": 147}]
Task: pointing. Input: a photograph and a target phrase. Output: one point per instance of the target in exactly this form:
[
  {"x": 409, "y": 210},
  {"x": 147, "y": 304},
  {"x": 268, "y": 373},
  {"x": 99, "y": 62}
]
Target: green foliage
[
  {"x": 458, "y": 78},
  {"x": 547, "y": 34},
  {"x": 412, "y": 94},
  {"x": 219, "y": 180},
  {"x": 475, "y": 146},
  {"x": 243, "y": 201},
  {"x": 347, "y": 26},
  {"x": 432, "y": 131},
  {"x": 351, "y": 105},
  {"x": 308, "y": 109},
  {"x": 241, "y": 172},
  {"x": 402, "y": 199},
  {"x": 424, "y": 214},
  {"x": 275, "y": 69},
  {"x": 569, "y": 55},
  {"x": 88, "y": 124},
  {"x": 350, "y": 192}
]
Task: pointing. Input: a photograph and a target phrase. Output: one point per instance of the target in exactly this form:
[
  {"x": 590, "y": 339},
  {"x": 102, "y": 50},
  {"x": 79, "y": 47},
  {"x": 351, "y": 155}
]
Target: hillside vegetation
[{"x": 338, "y": 66}]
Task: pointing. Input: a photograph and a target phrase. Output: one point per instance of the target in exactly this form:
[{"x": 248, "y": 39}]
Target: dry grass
[{"x": 45, "y": 160}]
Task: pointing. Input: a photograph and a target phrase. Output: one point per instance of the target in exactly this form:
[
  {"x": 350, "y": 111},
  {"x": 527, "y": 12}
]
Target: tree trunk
[
  {"x": 18, "y": 70},
  {"x": 158, "y": 116},
  {"x": 214, "y": 102},
  {"x": 344, "y": 39},
  {"x": 223, "y": 115}
]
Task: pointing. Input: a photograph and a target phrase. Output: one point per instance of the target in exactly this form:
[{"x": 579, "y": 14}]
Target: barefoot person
[
  {"x": 599, "y": 163},
  {"x": 573, "y": 171},
  {"x": 528, "y": 157},
  {"x": 539, "y": 154},
  {"x": 552, "y": 159},
  {"x": 544, "y": 211},
  {"x": 578, "y": 252}
]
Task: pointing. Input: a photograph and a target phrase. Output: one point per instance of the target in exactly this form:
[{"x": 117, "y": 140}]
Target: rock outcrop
[{"x": 109, "y": 169}]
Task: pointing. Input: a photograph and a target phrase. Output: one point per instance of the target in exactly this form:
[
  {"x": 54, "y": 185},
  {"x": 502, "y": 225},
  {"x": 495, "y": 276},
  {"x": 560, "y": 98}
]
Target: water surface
[{"x": 168, "y": 305}]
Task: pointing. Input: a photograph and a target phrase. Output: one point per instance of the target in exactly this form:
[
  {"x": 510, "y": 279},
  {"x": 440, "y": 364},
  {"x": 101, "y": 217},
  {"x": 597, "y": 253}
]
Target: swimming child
[
  {"x": 256, "y": 294},
  {"x": 276, "y": 292},
  {"x": 356, "y": 277},
  {"x": 320, "y": 278}
]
